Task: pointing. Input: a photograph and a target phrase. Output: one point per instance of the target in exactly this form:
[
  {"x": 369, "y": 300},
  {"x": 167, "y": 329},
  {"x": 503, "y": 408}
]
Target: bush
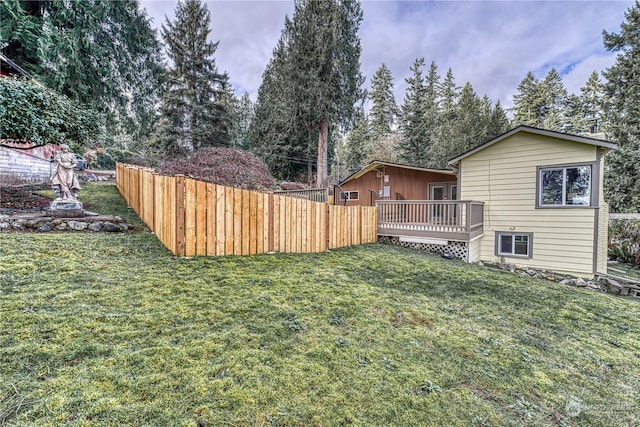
[
  {"x": 224, "y": 166},
  {"x": 34, "y": 113},
  {"x": 624, "y": 241}
]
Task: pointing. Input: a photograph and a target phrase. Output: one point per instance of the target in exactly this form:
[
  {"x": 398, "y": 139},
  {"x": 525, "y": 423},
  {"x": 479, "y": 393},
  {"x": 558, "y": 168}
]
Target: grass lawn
[{"x": 110, "y": 329}]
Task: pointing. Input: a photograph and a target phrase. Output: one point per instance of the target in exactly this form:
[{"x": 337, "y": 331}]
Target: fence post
[
  {"x": 469, "y": 209},
  {"x": 180, "y": 245}
]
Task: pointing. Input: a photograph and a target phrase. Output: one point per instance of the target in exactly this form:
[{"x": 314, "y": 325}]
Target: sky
[{"x": 491, "y": 44}]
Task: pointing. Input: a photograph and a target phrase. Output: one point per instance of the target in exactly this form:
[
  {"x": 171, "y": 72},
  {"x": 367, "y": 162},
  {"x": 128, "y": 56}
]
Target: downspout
[{"x": 595, "y": 202}]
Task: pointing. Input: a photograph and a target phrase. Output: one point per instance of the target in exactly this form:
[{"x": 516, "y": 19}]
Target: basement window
[{"x": 514, "y": 244}]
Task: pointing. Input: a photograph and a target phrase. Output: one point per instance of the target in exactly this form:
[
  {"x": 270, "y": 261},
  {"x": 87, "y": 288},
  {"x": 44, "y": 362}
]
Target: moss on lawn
[{"x": 104, "y": 329}]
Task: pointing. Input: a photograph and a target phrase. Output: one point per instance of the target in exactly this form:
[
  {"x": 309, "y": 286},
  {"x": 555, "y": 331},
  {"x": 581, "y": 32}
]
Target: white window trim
[
  {"x": 563, "y": 168},
  {"x": 529, "y": 236}
]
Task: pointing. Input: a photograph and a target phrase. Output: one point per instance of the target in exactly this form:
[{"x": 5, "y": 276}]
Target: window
[
  {"x": 565, "y": 186},
  {"x": 514, "y": 244},
  {"x": 349, "y": 195}
]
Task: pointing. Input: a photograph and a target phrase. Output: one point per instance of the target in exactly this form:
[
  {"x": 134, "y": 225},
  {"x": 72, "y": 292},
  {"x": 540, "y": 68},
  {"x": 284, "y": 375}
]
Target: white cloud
[{"x": 492, "y": 44}]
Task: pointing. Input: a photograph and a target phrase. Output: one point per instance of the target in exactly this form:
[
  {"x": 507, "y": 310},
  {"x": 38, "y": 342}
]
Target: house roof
[
  {"x": 536, "y": 131},
  {"x": 376, "y": 163}
]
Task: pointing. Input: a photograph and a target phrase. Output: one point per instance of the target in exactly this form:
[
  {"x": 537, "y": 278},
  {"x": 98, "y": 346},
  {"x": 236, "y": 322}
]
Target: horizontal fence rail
[
  {"x": 193, "y": 217},
  {"x": 454, "y": 220}
]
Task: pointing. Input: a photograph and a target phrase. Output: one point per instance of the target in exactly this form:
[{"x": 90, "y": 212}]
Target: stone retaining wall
[{"x": 40, "y": 221}]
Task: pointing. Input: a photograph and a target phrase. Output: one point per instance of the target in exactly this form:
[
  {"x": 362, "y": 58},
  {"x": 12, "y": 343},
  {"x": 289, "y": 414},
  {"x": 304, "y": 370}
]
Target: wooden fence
[{"x": 193, "y": 217}]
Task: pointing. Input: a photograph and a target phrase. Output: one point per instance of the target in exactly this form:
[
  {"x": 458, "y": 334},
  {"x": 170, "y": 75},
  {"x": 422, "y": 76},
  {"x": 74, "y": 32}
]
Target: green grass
[{"x": 110, "y": 329}]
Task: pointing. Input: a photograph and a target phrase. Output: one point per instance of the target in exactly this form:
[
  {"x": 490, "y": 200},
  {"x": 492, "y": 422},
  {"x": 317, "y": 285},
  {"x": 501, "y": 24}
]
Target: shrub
[
  {"x": 224, "y": 166},
  {"x": 624, "y": 241}
]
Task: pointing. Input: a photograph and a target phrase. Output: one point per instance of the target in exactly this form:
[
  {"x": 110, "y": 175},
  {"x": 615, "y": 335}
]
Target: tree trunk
[{"x": 322, "y": 179}]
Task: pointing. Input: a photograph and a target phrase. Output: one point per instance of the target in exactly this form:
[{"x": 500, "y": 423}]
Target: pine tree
[
  {"x": 470, "y": 126},
  {"x": 357, "y": 145},
  {"x": 449, "y": 97},
  {"x": 274, "y": 133},
  {"x": 527, "y": 102},
  {"x": 592, "y": 98},
  {"x": 622, "y": 91},
  {"x": 384, "y": 110},
  {"x": 194, "y": 115},
  {"x": 324, "y": 65},
  {"x": 498, "y": 122},
  {"x": 553, "y": 97},
  {"x": 102, "y": 54},
  {"x": 413, "y": 148}
]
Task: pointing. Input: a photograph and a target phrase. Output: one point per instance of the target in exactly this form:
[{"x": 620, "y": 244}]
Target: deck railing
[
  {"x": 452, "y": 220},
  {"x": 313, "y": 194}
]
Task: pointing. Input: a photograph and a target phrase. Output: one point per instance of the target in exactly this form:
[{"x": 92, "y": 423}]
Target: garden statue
[{"x": 64, "y": 180}]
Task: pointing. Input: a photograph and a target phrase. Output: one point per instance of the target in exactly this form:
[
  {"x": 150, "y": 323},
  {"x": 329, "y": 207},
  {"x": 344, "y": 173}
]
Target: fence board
[
  {"x": 237, "y": 221},
  {"x": 190, "y": 217},
  {"x": 201, "y": 218},
  {"x": 211, "y": 219},
  {"x": 228, "y": 221},
  {"x": 245, "y": 231},
  {"x": 253, "y": 223},
  {"x": 220, "y": 220}
]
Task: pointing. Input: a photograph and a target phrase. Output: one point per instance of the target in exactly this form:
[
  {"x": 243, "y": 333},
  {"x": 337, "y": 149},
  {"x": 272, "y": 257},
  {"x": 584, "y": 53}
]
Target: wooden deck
[{"x": 426, "y": 219}]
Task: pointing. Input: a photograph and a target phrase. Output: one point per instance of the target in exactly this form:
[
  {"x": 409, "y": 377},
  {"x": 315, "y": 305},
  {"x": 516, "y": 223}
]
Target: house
[
  {"x": 390, "y": 181},
  {"x": 529, "y": 197}
]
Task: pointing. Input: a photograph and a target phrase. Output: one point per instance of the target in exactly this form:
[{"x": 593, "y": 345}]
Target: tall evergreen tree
[
  {"x": 357, "y": 144},
  {"x": 591, "y": 99},
  {"x": 469, "y": 128},
  {"x": 242, "y": 115},
  {"x": 622, "y": 91},
  {"x": 449, "y": 97},
  {"x": 102, "y": 54},
  {"x": 498, "y": 122},
  {"x": 384, "y": 110},
  {"x": 553, "y": 97},
  {"x": 274, "y": 133},
  {"x": 414, "y": 126},
  {"x": 324, "y": 58},
  {"x": 192, "y": 109},
  {"x": 527, "y": 103}
]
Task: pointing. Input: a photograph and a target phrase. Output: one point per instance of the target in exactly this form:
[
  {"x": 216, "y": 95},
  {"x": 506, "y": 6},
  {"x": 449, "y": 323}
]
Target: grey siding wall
[{"x": 17, "y": 167}]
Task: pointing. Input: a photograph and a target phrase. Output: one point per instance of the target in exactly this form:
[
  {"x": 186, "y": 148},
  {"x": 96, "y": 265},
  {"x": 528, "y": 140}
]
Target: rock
[
  {"x": 580, "y": 282},
  {"x": 95, "y": 226},
  {"x": 17, "y": 225},
  {"x": 551, "y": 278},
  {"x": 4, "y": 225},
  {"x": 44, "y": 228},
  {"x": 531, "y": 272},
  {"x": 123, "y": 227},
  {"x": 77, "y": 225},
  {"x": 613, "y": 286},
  {"x": 569, "y": 282},
  {"x": 60, "y": 227},
  {"x": 624, "y": 291},
  {"x": 110, "y": 227}
]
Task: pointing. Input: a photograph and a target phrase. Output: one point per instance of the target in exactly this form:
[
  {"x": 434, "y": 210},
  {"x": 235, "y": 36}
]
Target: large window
[
  {"x": 565, "y": 186},
  {"x": 514, "y": 244}
]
